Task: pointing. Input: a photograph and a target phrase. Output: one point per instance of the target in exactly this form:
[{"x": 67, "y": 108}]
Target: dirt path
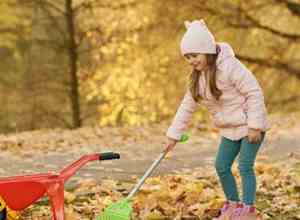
[{"x": 135, "y": 158}]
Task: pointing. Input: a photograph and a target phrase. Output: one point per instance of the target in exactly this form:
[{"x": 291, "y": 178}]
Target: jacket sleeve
[
  {"x": 247, "y": 85},
  {"x": 182, "y": 117}
]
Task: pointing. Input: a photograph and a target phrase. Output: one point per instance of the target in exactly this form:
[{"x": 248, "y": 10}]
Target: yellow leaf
[{"x": 69, "y": 197}]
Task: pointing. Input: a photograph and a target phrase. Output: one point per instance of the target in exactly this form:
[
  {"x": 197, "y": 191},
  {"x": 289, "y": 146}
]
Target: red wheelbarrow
[{"x": 19, "y": 192}]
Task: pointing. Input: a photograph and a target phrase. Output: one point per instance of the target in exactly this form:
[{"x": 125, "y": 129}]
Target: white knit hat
[{"x": 197, "y": 39}]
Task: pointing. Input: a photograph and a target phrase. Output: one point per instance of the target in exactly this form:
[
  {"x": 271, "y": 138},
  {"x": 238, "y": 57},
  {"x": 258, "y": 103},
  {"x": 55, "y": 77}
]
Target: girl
[{"x": 234, "y": 98}]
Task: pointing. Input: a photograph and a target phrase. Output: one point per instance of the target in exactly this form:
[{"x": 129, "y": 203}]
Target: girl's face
[{"x": 198, "y": 61}]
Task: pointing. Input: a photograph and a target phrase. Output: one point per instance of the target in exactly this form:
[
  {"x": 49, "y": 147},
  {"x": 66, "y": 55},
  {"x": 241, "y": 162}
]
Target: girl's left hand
[{"x": 254, "y": 135}]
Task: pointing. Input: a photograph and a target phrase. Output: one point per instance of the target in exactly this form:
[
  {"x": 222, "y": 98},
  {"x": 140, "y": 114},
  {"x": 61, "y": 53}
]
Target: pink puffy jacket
[{"x": 240, "y": 107}]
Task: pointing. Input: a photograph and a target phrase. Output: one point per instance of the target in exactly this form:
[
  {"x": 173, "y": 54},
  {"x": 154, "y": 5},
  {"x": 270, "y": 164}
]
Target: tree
[{"x": 75, "y": 24}]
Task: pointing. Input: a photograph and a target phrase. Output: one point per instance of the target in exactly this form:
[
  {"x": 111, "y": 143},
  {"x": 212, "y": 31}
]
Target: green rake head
[
  {"x": 122, "y": 210},
  {"x": 117, "y": 211}
]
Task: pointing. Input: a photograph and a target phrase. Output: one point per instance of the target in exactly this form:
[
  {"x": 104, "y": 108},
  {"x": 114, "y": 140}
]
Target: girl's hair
[{"x": 210, "y": 76}]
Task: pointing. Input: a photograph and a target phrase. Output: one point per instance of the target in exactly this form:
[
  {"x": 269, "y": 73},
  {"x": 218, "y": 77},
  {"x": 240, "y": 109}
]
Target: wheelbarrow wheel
[{"x": 3, "y": 214}]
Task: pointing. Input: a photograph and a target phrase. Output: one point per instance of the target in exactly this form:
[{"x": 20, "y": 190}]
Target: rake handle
[
  {"x": 146, "y": 175},
  {"x": 151, "y": 169}
]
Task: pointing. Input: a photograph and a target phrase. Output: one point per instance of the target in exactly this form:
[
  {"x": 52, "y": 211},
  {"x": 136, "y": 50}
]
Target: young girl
[{"x": 234, "y": 98}]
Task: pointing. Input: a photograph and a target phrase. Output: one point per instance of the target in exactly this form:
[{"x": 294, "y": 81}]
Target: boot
[
  {"x": 245, "y": 212},
  {"x": 227, "y": 211}
]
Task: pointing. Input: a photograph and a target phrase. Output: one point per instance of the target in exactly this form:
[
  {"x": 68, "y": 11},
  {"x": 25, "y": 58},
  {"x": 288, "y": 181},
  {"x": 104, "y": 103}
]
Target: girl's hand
[
  {"x": 254, "y": 135},
  {"x": 171, "y": 144}
]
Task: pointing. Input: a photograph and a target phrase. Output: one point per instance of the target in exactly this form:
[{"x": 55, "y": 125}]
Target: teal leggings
[{"x": 228, "y": 150}]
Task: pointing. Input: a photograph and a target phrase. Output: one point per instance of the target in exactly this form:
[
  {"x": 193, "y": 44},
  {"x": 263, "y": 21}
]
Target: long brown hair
[{"x": 211, "y": 77}]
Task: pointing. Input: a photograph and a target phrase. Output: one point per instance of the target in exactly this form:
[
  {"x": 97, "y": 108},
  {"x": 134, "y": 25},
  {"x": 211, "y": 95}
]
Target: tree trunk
[{"x": 73, "y": 57}]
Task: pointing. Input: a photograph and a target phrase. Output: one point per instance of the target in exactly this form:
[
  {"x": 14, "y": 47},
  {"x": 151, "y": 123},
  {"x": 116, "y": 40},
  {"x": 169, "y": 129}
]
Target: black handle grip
[{"x": 109, "y": 156}]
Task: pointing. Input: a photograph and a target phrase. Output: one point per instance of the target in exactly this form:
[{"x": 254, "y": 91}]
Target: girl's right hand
[
  {"x": 254, "y": 135},
  {"x": 171, "y": 144}
]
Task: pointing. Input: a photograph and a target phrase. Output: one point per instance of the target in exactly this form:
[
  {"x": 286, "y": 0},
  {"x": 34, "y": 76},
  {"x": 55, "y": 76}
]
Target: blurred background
[{"x": 72, "y": 63}]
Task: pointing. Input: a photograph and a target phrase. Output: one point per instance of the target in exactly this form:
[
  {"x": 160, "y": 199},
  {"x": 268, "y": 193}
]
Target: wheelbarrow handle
[{"x": 109, "y": 156}]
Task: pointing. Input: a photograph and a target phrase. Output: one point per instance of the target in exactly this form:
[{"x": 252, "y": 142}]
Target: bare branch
[
  {"x": 293, "y": 98},
  {"x": 239, "y": 17},
  {"x": 272, "y": 64},
  {"x": 91, "y": 4},
  {"x": 255, "y": 23},
  {"x": 55, "y": 7},
  {"x": 293, "y": 7}
]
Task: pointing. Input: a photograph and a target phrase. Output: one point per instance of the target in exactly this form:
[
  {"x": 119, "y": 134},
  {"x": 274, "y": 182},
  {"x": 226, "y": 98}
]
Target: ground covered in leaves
[
  {"x": 185, "y": 194},
  {"x": 194, "y": 195}
]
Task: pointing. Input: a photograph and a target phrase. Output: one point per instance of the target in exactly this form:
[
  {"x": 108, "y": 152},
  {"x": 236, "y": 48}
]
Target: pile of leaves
[{"x": 191, "y": 195}]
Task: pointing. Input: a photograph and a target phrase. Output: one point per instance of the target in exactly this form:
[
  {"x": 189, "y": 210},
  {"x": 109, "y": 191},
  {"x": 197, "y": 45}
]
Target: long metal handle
[
  {"x": 183, "y": 138},
  {"x": 147, "y": 174}
]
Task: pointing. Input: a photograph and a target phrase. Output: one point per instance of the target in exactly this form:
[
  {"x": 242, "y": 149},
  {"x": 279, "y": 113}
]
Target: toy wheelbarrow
[{"x": 19, "y": 192}]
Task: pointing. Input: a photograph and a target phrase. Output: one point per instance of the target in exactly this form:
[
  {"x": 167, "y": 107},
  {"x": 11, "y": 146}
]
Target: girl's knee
[
  {"x": 222, "y": 169},
  {"x": 246, "y": 169}
]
